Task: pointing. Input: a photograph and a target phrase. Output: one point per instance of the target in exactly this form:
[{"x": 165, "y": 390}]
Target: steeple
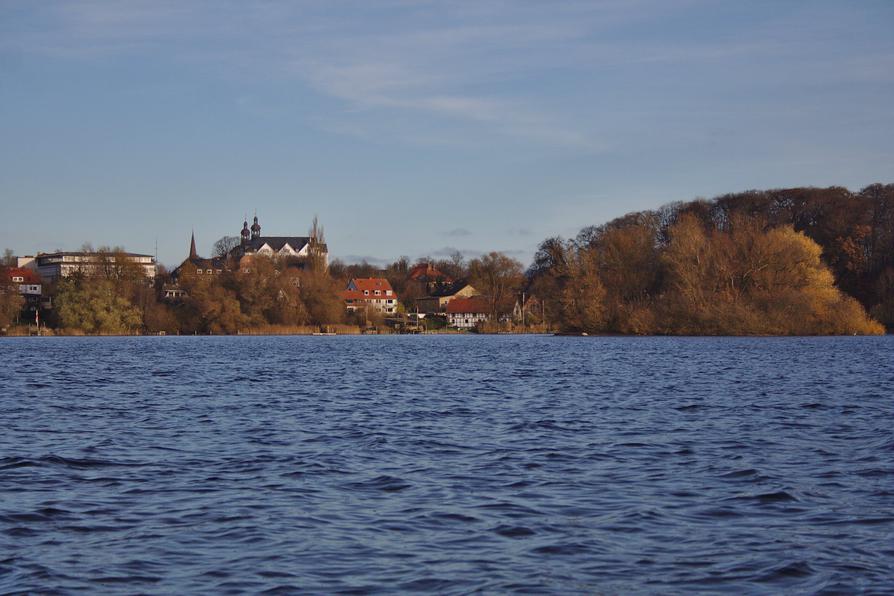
[
  {"x": 245, "y": 234},
  {"x": 192, "y": 247},
  {"x": 255, "y": 229}
]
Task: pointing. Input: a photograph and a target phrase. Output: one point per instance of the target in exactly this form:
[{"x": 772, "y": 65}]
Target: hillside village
[
  {"x": 358, "y": 298},
  {"x": 798, "y": 261}
]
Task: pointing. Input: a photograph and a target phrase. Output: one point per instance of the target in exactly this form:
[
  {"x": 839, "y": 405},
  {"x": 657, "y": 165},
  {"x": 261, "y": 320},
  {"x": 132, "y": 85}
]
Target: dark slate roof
[
  {"x": 200, "y": 263},
  {"x": 213, "y": 263},
  {"x": 441, "y": 290},
  {"x": 277, "y": 242}
]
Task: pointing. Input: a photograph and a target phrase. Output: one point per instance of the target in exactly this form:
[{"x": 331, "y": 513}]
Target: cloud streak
[
  {"x": 417, "y": 65},
  {"x": 483, "y": 65}
]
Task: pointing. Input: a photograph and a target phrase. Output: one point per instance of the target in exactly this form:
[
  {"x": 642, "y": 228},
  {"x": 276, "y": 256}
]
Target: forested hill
[{"x": 751, "y": 262}]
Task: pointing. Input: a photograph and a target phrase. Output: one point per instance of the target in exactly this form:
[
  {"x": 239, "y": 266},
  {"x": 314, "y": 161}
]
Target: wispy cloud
[
  {"x": 482, "y": 64},
  {"x": 370, "y": 259},
  {"x": 458, "y": 233},
  {"x": 397, "y": 85},
  {"x": 448, "y": 251},
  {"x": 472, "y": 253},
  {"x": 430, "y": 67}
]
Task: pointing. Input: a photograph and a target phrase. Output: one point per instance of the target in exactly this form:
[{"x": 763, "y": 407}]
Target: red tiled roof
[
  {"x": 425, "y": 272},
  {"x": 371, "y": 284},
  {"x": 28, "y": 275},
  {"x": 473, "y": 304},
  {"x": 355, "y": 295}
]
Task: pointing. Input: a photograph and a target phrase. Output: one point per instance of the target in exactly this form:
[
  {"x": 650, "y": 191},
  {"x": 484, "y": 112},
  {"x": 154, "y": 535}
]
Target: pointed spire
[
  {"x": 192, "y": 247},
  {"x": 255, "y": 228},
  {"x": 245, "y": 233}
]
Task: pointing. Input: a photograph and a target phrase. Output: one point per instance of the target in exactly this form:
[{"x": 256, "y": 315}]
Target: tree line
[
  {"x": 777, "y": 262},
  {"x": 789, "y": 261}
]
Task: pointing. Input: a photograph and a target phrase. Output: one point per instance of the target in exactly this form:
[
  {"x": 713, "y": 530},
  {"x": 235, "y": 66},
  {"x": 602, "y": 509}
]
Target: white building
[
  {"x": 276, "y": 247},
  {"x": 57, "y": 265},
  {"x": 373, "y": 293},
  {"x": 466, "y": 313}
]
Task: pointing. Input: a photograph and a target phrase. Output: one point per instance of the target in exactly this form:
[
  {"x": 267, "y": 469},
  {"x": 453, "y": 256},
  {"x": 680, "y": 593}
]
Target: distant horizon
[
  {"x": 417, "y": 129},
  {"x": 385, "y": 261}
]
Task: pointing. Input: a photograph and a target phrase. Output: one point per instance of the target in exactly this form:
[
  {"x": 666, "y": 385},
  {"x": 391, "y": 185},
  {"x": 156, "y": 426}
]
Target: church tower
[
  {"x": 245, "y": 234},
  {"x": 255, "y": 229},
  {"x": 192, "y": 247}
]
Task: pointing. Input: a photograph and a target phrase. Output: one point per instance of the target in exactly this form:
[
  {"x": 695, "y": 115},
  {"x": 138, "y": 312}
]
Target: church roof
[{"x": 277, "y": 242}]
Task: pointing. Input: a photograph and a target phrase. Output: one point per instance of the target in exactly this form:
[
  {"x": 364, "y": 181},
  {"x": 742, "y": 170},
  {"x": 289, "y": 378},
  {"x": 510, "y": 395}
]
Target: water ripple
[{"x": 448, "y": 465}]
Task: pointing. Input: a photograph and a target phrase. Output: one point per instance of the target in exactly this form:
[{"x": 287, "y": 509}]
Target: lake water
[{"x": 448, "y": 464}]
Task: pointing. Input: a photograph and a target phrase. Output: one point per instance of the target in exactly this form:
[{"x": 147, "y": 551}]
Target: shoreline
[{"x": 431, "y": 333}]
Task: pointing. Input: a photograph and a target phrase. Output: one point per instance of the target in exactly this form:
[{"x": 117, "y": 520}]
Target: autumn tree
[
  {"x": 224, "y": 245},
  {"x": 582, "y": 298},
  {"x": 691, "y": 280},
  {"x": 268, "y": 294},
  {"x": 627, "y": 261},
  {"x": 454, "y": 265},
  {"x": 316, "y": 246},
  {"x": 345, "y": 272},
  {"x": 11, "y": 302},
  {"x": 498, "y": 277},
  {"x": 158, "y": 316},
  {"x": 883, "y": 309},
  {"x": 752, "y": 280},
  {"x": 211, "y": 308},
  {"x": 396, "y": 273},
  {"x": 796, "y": 292},
  {"x": 320, "y": 296},
  {"x": 549, "y": 274},
  {"x": 94, "y": 304}
]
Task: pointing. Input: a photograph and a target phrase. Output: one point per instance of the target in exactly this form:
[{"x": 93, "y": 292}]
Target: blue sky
[{"x": 414, "y": 127}]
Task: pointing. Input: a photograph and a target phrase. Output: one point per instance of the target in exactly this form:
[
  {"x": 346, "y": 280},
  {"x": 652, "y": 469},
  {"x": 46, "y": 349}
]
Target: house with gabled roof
[
  {"x": 197, "y": 265},
  {"x": 427, "y": 273},
  {"x": 29, "y": 284},
  {"x": 467, "y": 313},
  {"x": 442, "y": 294},
  {"x": 371, "y": 293}
]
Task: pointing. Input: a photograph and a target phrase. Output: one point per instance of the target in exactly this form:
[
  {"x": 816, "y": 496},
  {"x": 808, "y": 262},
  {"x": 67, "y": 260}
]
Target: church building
[
  {"x": 252, "y": 244},
  {"x": 198, "y": 265}
]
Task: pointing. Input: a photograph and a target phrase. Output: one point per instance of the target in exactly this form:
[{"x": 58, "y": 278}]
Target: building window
[
  {"x": 366, "y": 292},
  {"x": 18, "y": 278},
  {"x": 198, "y": 272},
  {"x": 378, "y": 293}
]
